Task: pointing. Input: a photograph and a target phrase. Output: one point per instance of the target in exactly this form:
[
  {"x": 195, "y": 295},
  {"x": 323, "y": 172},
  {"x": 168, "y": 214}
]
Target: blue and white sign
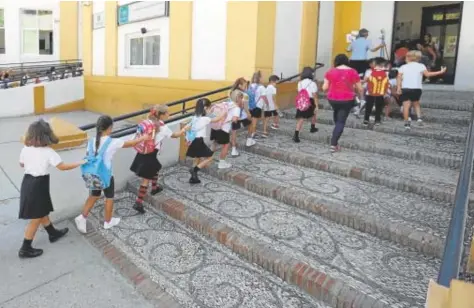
[{"x": 141, "y": 10}]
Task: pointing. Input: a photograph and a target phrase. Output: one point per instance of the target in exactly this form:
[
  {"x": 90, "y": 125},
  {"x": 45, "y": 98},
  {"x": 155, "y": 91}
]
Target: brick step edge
[
  {"x": 400, "y": 130},
  {"x": 441, "y": 160},
  {"x": 405, "y": 184},
  {"x": 425, "y": 243},
  {"x": 318, "y": 284},
  {"x": 140, "y": 280}
]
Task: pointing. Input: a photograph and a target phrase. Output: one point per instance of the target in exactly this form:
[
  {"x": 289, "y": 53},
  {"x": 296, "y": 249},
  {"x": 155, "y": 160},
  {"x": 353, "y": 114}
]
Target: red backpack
[
  {"x": 303, "y": 101},
  {"x": 217, "y": 110},
  {"x": 146, "y": 127},
  {"x": 377, "y": 83}
]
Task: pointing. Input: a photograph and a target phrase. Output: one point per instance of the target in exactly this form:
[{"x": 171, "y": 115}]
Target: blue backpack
[
  {"x": 191, "y": 133},
  {"x": 251, "y": 93},
  {"x": 95, "y": 173}
]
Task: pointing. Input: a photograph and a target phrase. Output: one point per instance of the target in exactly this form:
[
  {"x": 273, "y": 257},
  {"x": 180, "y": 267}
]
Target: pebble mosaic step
[
  {"x": 293, "y": 243},
  {"x": 400, "y": 174},
  {"x": 443, "y": 153},
  {"x": 194, "y": 270}
]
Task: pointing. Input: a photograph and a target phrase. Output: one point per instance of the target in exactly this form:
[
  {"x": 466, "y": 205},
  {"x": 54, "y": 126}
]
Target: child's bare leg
[
  {"x": 31, "y": 228},
  {"x": 276, "y": 120},
  {"x": 90, "y": 202},
  {"x": 406, "y": 110},
  {"x": 108, "y": 209},
  {"x": 265, "y": 124},
  {"x": 224, "y": 151},
  {"x": 204, "y": 162},
  {"x": 233, "y": 138},
  {"x": 299, "y": 124},
  {"x": 417, "y": 107}
]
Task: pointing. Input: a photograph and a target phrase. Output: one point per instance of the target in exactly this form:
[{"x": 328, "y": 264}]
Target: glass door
[{"x": 440, "y": 30}]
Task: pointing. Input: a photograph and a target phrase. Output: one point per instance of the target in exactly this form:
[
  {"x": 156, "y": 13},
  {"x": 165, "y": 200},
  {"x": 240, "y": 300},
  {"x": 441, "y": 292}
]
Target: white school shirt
[
  {"x": 165, "y": 132},
  {"x": 270, "y": 91},
  {"x": 233, "y": 111},
  {"x": 412, "y": 75},
  {"x": 200, "y": 126},
  {"x": 114, "y": 145},
  {"x": 259, "y": 94},
  {"x": 37, "y": 161},
  {"x": 309, "y": 85}
]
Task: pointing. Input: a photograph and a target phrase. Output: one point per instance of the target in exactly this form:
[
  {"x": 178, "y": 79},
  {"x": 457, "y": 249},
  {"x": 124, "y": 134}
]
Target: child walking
[
  {"x": 35, "y": 200},
  {"x": 307, "y": 83},
  {"x": 377, "y": 87},
  {"x": 257, "y": 102},
  {"x": 198, "y": 150},
  {"x": 104, "y": 128},
  {"x": 147, "y": 166},
  {"x": 271, "y": 111},
  {"x": 245, "y": 116},
  {"x": 409, "y": 84}
]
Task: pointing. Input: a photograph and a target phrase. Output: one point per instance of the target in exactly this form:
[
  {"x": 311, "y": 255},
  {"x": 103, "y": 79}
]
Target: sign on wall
[
  {"x": 141, "y": 10},
  {"x": 98, "y": 20}
]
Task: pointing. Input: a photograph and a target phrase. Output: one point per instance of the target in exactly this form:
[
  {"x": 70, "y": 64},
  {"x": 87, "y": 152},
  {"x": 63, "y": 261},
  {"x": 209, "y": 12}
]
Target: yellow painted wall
[
  {"x": 181, "y": 30},
  {"x": 119, "y": 95},
  {"x": 68, "y": 30},
  {"x": 87, "y": 38},
  {"x": 110, "y": 58},
  {"x": 250, "y": 38},
  {"x": 347, "y": 15},
  {"x": 309, "y": 34}
]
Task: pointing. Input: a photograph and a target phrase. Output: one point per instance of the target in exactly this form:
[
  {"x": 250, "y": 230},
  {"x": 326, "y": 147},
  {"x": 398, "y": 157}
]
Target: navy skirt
[{"x": 35, "y": 200}]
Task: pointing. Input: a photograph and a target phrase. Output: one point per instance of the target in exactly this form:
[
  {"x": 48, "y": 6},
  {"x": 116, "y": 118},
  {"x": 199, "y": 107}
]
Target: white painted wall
[
  {"x": 156, "y": 25},
  {"x": 287, "y": 37},
  {"x": 98, "y": 43},
  {"x": 209, "y": 39},
  {"x": 325, "y": 36},
  {"x": 63, "y": 91},
  {"x": 16, "y": 101},
  {"x": 465, "y": 65},
  {"x": 377, "y": 15},
  {"x": 13, "y": 33}
]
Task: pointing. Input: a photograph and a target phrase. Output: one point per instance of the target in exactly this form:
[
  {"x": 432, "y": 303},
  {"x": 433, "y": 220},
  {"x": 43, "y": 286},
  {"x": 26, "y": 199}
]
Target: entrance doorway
[{"x": 433, "y": 28}]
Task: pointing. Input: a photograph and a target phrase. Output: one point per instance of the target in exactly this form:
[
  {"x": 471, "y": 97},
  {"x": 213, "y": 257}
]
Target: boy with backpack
[{"x": 377, "y": 88}]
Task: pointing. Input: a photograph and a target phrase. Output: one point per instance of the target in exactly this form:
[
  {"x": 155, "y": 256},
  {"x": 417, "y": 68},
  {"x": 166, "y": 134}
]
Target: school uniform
[
  {"x": 35, "y": 199},
  {"x": 312, "y": 89},
  {"x": 270, "y": 91},
  {"x": 147, "y": 166},
  {"x": 412, "y": 81},
  {"x": 109, "y": 153},
  {"x": 198, "y": 148},
  {"x": 222, "y": 136},
  {"x": 259, "y": 102}
]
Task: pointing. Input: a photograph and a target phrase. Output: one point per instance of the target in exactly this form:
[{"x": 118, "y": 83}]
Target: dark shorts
[
  {"x": 256, "y": 113},
  {"x": 220, "y": 136},
  {"x": 359, "y": 65},
  {"x": 412, "y": 95},
  {"x": 109, "y": 192},
  {"x": 238, "y": 125},
  {"x": 271, "y": 113}
]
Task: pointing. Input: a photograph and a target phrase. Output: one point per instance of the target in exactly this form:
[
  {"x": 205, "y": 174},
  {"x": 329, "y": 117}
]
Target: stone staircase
[{"x": 292, "y": 225}]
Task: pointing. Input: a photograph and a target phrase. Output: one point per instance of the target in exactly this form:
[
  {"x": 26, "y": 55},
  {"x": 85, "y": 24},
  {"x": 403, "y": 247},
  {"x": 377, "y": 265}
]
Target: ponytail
[
  {"x": 103, "y": 123},
  {"x": 97, "y": 141}
]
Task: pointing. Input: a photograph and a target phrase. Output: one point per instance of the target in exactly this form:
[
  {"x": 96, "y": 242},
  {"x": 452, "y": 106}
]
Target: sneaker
[
  {"x": 275, "y": 127},
  {"x": 223, "y": 165},
  {"x": 265, "y": 135},
  {"x": 139, "y": 208},
  {"x": 112, "y": 223},
  {"x": 409, "y": 119},
  {"x": 59, "y": 234},
  {"x": 234, "y": 152},
  {"x": 81, "y": 224},
  {"x": 420, "y": 122},
  {"x": 29, "y": 253},
  {"x": 377, "y": 123},
  {"x": 365, "y": 123},
  {"x": 250, "y": 142},
  {"x": 335, "y": 148},
  {"x": 407, "y": 126}
]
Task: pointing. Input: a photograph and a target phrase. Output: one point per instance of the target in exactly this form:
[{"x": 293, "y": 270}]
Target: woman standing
[
  {"x": 341, "y": 83},
  {"x": 359, "y": 48}
]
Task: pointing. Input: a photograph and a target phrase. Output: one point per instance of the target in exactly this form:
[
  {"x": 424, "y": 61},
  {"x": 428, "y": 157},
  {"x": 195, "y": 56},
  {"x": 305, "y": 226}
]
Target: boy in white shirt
[
  {"x": 409, "y": 84},
  {"x": 271, "y": 111}
]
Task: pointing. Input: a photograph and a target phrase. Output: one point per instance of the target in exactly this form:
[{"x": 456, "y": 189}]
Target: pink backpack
[
  {"x": 217, "y": 110},
  {"x": 146, "y": 127},
  {"x": 302, "y": 101}
]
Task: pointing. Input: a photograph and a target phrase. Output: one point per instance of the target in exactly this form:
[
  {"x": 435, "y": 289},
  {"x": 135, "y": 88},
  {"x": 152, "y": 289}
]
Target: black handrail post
[{"x": 453, "y": 248}]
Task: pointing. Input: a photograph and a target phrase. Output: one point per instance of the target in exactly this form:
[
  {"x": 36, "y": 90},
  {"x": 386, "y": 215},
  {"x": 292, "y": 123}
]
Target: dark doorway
[{"x": 433, "y": 28}]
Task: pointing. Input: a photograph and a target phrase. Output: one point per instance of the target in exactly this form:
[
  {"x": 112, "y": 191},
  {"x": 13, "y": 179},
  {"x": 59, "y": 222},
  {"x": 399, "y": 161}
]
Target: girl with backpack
[
  {"x": 35, "y": 200},
  {"x": 257, "y": 102},
  {"x": 103, "y": 148},
  {"x": 341, "y": 82},
  {"x": 146, "y": 164},
  {"x": 245, "y": 117},
  {"x": 306, "y": 102},
  {"x": 197, "y": 149}
]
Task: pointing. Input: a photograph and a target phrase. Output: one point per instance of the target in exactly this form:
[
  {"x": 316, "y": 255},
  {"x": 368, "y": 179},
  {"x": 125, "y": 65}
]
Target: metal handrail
[
  {"x": 454, "y": 246},
  {"x": 39, "y": 63},
  {"x": 178, "y": 102}
]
